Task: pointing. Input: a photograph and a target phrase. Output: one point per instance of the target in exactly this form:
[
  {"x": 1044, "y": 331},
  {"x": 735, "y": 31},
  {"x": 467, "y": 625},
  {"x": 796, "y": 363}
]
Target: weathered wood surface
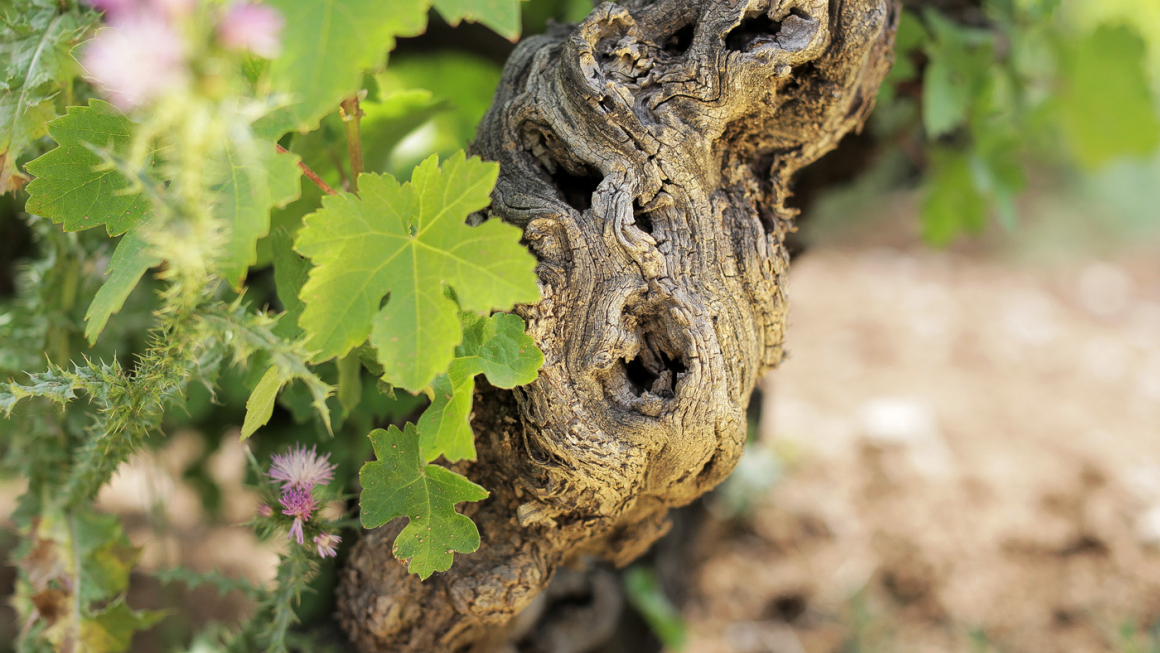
[{"x": 647, "y": 153}]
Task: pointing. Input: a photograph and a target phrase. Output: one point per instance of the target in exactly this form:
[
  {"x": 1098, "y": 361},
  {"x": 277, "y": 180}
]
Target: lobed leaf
[
  {"x": 400, "y": 484},
  {"x": 73, "y": 186},
  {"x": 496, "y": 347},
  {"x": 327, "y": 44},
  {"x": 503, "y": 16},
  {"x": 409, "y": 241}
]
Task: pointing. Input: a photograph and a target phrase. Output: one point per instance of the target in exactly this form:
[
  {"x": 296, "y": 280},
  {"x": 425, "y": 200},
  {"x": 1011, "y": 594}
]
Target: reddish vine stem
[{"x": 310, "y": 174}]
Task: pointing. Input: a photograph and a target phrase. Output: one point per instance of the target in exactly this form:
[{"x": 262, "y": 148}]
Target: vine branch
[{"x": 310, "y": 174}]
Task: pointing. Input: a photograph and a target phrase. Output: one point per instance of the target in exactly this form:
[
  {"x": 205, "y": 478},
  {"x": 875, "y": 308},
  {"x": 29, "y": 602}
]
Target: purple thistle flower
[
  {"x": 135, "y": 60},
  {"x": 296, "y": 532},
  {"x": 326, "y": 543},
  {"x": 299, "y": 505},
  {"x": 265, "y": 511},
  {"x": 253, "y": 27},
  {"x": 301, "y": 469}
]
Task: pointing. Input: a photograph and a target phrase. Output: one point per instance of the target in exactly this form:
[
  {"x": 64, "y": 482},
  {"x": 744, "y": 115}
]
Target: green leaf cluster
[{"x": 1024, "y": 86}]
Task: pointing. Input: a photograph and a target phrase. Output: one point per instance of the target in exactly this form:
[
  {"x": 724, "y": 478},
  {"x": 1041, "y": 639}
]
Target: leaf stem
[
  {"x": 350, "y": 114},
  {"x": 310, "y": 174}
]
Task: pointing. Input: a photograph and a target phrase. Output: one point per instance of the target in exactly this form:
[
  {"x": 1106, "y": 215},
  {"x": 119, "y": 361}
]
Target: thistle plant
[{"x": 163, "y": 143}]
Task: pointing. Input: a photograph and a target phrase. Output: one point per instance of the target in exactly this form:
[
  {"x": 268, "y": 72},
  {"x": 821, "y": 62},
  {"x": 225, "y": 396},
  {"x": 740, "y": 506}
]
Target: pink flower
[
  {"x": 326, "y": 543},
  {"x": 296, "y": 532},
  {"x": 301, "y": 469},
  {"x": 299, "y": 505},
  {"x": 253, "y": 27},
  {"x": 136, "y": 60},
  {"x": 113, "y": 7},
  {"x": 265, "y": 511},
  {"x": 174, "y": 9}
]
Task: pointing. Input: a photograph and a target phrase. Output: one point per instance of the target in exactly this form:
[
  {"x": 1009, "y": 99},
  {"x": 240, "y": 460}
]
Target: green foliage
[
  {"x": 255, "y": 180},
  {"x": 130, "y": 261},
  {"x": 94, "y": 370},
  {"x": 503, "y": 16},
  {"x": 496, "y": 347},
  {"x": 401, "y": 484},
  {"x": 644, "y": 592},
  {"x": 1107, "y": 110},
  {"x": 75, "y": 185},
  {"x": 1008, "y": 92},
  {"x": 327, "y": 44},
  {"x": 35, "y": 39},
  {"x": 408, "y": 241}
]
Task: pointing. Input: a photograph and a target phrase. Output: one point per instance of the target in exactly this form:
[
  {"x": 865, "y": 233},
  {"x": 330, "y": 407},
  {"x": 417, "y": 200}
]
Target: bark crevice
[{"x": 647, "y": 153}]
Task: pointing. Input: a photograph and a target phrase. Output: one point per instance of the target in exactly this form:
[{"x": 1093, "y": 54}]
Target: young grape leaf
[
  {"x": 254, "y": 180},
  {"x": 129, "y": 263},
  {"x": 72, "y": 185},
  {"x": 953, "y": 203},
  {"x": 960, "y": 68},
  {"x": 495, "y": 346},
  {"x": 327, "y": 44},
  {"x": 407, "y": 241},
  {"x": 400, "y": 484},
  {"x": 1107, "y": 108},
  {"x": 503, "y": 16},
  {"x": 34, "y": 49}
]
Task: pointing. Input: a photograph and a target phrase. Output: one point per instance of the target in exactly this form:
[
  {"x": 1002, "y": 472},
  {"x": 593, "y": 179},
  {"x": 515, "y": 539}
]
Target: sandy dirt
[{"x": 971, "y": 459}]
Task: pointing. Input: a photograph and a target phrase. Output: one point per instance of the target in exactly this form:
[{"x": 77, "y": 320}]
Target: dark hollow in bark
[{"x": 647, "y": 154}]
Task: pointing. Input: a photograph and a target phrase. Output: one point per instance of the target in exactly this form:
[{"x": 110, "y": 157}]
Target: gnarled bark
[{"x": 647, "y": 154}]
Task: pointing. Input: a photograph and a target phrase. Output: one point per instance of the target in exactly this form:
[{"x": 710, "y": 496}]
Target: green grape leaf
[
  {"x": 495, "y": 346},
  {"x": 957, "y": 76},
  {"x": 73, "y": 186},
  {"x": 34, "y": 63},
  {"x": 953, "y": 203},
  {"x": 327, "y": 44},
  {"x": 260, "y": 405},
  {"x": 254, "y": 181},
  {"x": 407, "y": 241},
  {"x": 129, "y": 263},
  {"x": 400, "y": 484},
  {"x": 503, "y": 16},
  {"x": 1107, "y": 108}
]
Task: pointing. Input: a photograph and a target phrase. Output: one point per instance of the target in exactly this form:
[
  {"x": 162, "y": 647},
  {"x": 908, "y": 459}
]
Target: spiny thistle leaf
[
  {"x": 408, "y": 241},
  {"x": 248, "y": 333},
  {"x": 214, "y": 578},
  {"x": 74, "y": 185},
  {"x": 495, "y": 346},
  {"x": 111, "y": 629},
  {"x": 400, "y": 484}
]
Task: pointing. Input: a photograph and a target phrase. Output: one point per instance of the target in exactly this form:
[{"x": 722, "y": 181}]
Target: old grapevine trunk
[{"x": 647, "y": 154}]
